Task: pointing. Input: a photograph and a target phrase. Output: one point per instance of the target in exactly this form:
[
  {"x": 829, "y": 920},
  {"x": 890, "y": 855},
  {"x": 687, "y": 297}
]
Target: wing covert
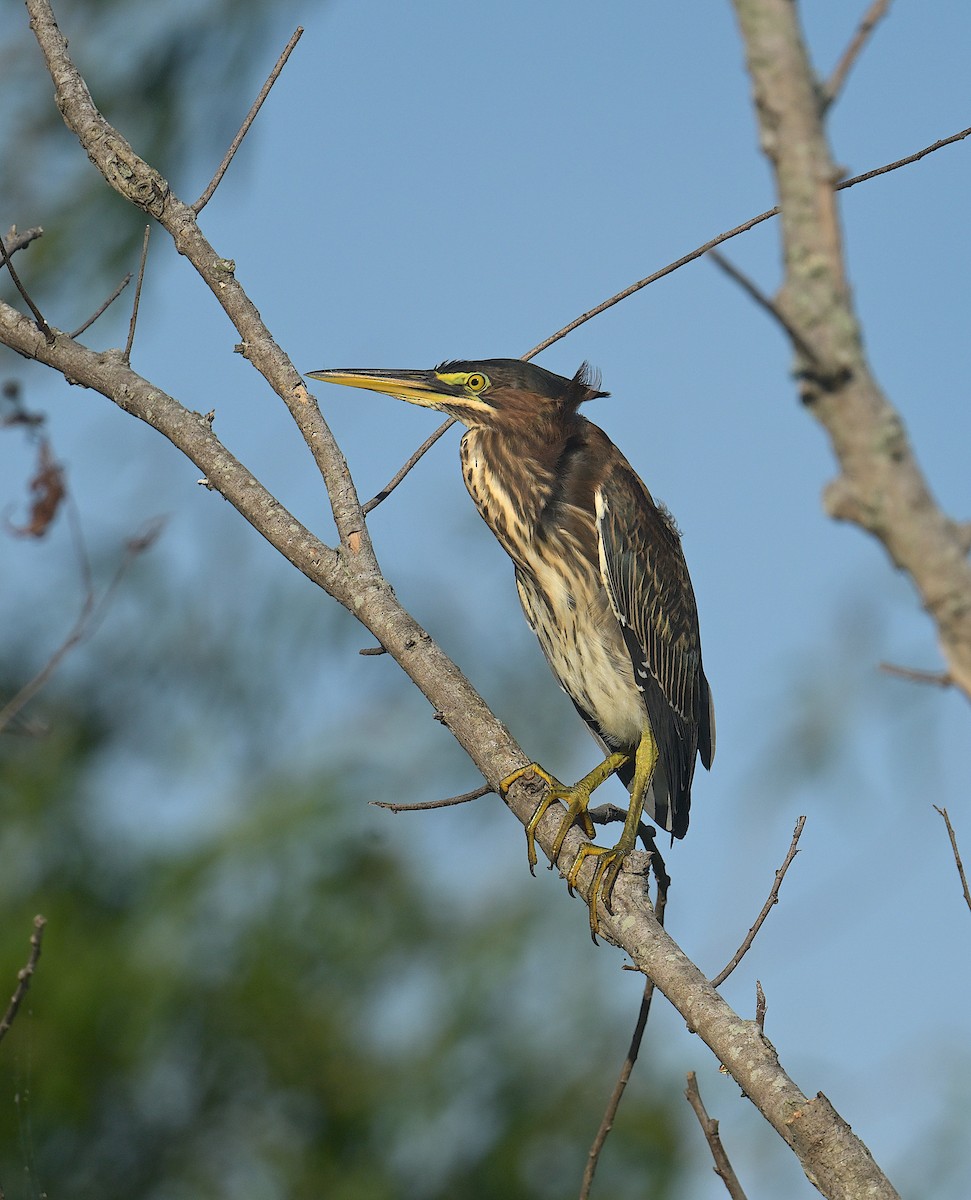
[{"x": 646, "y": 578}]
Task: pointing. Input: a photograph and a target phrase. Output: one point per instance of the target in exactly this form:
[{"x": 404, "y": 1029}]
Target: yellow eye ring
[{"x": 476, "y": 382}]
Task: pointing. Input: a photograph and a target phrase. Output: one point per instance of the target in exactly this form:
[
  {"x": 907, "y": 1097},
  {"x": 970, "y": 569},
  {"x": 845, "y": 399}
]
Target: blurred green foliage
[{"x": 270, "y": 1002}]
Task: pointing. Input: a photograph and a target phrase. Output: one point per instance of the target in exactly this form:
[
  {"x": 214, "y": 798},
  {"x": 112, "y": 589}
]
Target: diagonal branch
[
  {"x": 871, "y": 18},
  {"x": 634, "y": 1049},
  {"x": 237, "y": 141},
  {"x": 102, "y": 308},
  {"x": 709, "y": 1127},
  {"x": 767, "y": 907},
  {"x": 138, "y": 294},
  {"x": 957, "y": 854}
]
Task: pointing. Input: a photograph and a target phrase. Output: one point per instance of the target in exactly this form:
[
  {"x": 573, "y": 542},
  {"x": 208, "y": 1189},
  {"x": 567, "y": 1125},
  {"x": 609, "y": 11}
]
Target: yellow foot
[
  {"x": 576, "y": 798},
  {"x": 604, "y": 877}
]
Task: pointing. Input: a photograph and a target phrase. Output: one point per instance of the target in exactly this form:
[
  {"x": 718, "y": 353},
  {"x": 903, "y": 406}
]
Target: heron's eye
[{"x": 476, "y": 382}]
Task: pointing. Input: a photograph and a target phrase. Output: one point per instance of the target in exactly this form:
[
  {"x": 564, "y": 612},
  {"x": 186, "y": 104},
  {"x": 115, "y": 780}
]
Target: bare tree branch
[
  {"x": 237, "y": 141},
  {"x": 138, "y": 294},
  {"x": 399, "y": 475},
  {"x": 98, "y": 311},
  {"x": 881, "y": 487},
  {"x": 24, "y": 976},
  {"x": 957, "y": 854},
  {"x": 764, "y": 302},
  {"x": 426, "y": 805},
  {"x": 644, "y": 1011},
  {"x": 709, "y": 1127},
  {"x": 90, "y": 614},
  {"x": 871, "y": 18},
  {"x": 939, "y": 679},
  {"x": 766, "y": 907},
  {"x": 38, "y": 315}
]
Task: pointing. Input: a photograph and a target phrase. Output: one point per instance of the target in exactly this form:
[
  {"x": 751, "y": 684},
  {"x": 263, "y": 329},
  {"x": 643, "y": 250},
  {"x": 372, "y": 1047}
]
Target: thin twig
[
  {"x": 24, "y": 976},
  {"x": 107, "y": 304},
  {"x": 138, "y": 294},
  {"x": 766, "y": 908},
  {"x": 38, "y": 315},
  {"x": 424, "y": 805},
  {"x": 871, "y": 18},
  {"x": 709, "y": 1127},
  {"x": 392, "y": 483},
  {"x": 724, "y": 237},
  {"x": 904, "y": 162},
  {"x": 643, "y": 283},
  {"x": 372, "y": 651},
  {"x": 765, "y": 302},
  {"x": 939, "y": 679},
  {"x": 610, "y": 1112},
  {"x": 92, "y": 611},
  {"x": 957, "y": 855},
  {"x": 281, "y": 62}
]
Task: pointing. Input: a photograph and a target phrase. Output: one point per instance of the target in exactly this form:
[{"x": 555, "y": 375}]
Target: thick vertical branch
[{"x": 880, "y": 487}]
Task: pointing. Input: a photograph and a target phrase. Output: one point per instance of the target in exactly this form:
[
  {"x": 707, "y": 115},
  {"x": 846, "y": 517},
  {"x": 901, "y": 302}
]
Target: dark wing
[{"x": 646, "y": 578}]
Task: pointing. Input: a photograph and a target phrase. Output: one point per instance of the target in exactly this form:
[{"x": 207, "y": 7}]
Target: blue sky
[{"x": 438, "y": 180}]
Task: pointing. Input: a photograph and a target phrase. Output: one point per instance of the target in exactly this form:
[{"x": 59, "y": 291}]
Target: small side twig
[
  {"x": 871, "y": 18},
  {"x": 957, "y": 854},
  {"x": 92, "y": 610},
  {"x": 613, "y": 1104},
  {"x": 425, "y": 805},
  {"x": 709, "y": 1127},
  {"x": 760, "y": 298},
  {"x": 939, "y": 679},
  {"x": 773, "y": 899},
  {"x": 138, "y": 294},
  {"x": 237, "y": 141},
  {"x": 107, "y": 304},
  {"x": 393, "y": 482},
  {"x": 38, "y": 315},
  {"x": 760, "y": 1007},
  {"x": 24, "y": 976}
]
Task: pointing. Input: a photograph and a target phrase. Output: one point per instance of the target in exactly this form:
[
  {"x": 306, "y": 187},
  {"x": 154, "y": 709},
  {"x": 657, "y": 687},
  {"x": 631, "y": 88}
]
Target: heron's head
[{"x": 485, "y": 392}]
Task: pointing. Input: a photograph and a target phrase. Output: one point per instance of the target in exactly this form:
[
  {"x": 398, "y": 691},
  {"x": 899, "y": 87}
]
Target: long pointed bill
[{"x": 417, "y": 387}]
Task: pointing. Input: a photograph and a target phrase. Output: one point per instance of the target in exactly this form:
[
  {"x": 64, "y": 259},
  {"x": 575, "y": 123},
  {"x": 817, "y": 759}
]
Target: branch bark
[
  {"x": 832, "y": 1156},
  {"x": 880, "y": 487}
]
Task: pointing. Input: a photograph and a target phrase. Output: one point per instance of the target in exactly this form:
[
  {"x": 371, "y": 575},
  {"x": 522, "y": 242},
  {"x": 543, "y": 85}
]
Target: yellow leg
[
  {"x": 608, "y": 868},
  {"x": 576, "y": 798}
]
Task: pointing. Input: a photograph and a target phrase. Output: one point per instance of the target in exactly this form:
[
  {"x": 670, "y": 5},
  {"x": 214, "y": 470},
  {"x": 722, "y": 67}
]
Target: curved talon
[
  {"x": 604, "y": 877},
  {"x": 576, "y": 799},
  {"x": 556, "y": 792}
]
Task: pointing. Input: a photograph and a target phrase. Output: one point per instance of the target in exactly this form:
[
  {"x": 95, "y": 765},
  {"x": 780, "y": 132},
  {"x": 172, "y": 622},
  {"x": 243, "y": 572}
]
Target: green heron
[{"x": 602, "y": 581}]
